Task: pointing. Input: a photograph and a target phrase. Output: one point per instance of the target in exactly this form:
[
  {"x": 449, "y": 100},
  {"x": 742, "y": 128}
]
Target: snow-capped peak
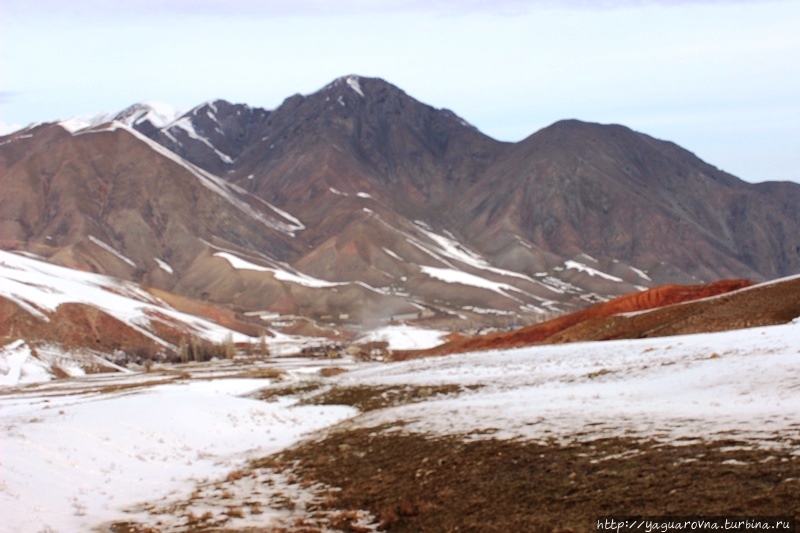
[
  {"x": 353, "y": 82},
  {"x": 82, "y": 122},
  {"x": 157, "y": 113}
]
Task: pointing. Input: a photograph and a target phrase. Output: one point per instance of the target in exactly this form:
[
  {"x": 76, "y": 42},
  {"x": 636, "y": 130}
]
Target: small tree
[
  {"x": 263, "y": 349},
  {"x": 183, "y": 350},
  {"x": 197, "y": 352},
  {"x": 229, "y": 348}
]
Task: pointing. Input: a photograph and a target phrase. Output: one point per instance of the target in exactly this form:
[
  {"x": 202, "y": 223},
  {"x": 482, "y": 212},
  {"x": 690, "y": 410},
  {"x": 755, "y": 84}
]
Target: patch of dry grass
[
  {"x": 271, "y": 394},
  {"x": 331, "y": 371},
  {"x": 261, "y": 373},
  {"x": 370, "y": 398},
  {"x": 420, "y": 483}
]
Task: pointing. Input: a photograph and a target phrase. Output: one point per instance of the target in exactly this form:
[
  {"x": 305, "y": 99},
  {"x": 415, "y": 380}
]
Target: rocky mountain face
[
  {"x": 612, "y": 192},
  {"x": 358, "y": 203}
]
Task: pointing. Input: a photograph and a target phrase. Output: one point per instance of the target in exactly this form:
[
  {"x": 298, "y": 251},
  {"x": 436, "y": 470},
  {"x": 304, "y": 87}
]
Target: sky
[{"x": 720, "y": 78}]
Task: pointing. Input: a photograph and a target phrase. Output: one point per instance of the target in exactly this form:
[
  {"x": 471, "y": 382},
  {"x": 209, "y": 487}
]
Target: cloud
[{"x": 6, "y": 129}]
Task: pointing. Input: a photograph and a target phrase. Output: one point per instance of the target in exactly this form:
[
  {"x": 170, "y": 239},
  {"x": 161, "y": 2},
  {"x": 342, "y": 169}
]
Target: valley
[{"x": 702, "y": 424}]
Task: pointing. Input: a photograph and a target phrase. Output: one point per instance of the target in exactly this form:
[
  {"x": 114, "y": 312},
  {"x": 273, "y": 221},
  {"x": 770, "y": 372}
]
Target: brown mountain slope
[
  {"x": 111, "y": 201},
  {"x": 611, "y": 192},
  {"x": 113, "y": 185},
  {"x": 554, "y": 330},
  {"x": 78, "y": 327},
  {"x": 762, "y": 305},
  {"x": 365, "y": 135}
]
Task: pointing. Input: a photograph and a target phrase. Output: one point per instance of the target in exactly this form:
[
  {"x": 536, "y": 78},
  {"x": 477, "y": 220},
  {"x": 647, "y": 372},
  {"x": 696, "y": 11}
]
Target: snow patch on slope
[
  {"x": 163, "y": 265},
  {"x": 449, "y": 247},
  {"x": 17, "y": 365},
  {"x": 354, "y": 84},
  {"x": 42, "y": 287},
  {"x": 185, "y": 124},
  {"x": 464, "y": 278},
  {"x": 158, "y": 114},
  {"x": 640, "y": 273},
  {"x": 404, "y": 337},
  {"x": 279, "y": 274},
  {"x": 110, "y": 249},
  {"x": 580, "y": 267},
  {"x": 21, "y": 364}
]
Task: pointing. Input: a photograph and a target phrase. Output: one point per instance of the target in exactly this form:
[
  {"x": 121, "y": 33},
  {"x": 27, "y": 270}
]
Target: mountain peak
[
  {"x": 360, "y": 85},
  {"x": 146, "y": 117},
  {"x": 158, "y": 114},
  {"x": 354, "y": 82}
]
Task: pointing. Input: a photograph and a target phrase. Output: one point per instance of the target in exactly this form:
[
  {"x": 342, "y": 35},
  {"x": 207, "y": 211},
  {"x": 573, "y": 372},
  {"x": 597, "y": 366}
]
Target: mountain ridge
[{"x": 389, "y": 204}]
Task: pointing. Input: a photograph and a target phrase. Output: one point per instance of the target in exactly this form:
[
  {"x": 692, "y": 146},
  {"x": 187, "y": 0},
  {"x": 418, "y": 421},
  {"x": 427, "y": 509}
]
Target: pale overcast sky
[{"x": 720, "y": 78}]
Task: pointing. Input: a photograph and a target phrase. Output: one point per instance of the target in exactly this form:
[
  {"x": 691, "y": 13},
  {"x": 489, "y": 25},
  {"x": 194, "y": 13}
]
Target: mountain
[
  {"x": 609, "y": 191},
  {"x": 357, "y": 203}
]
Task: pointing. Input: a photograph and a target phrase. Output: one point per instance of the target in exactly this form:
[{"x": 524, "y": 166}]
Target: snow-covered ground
[
  {"x": 693, "y": 386},
  {"x": 77, "y": 456},
  {"x": 78, "y": 452},
  {"x": 18, "y": 364},
  {"x": 405, "y": 337}
]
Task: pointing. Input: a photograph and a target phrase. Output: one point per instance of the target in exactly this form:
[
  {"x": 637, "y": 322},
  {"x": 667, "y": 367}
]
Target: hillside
[
  {"x": 58, "y": 322},
  {"x": 358, "y": 203},
  {"x": 662, "y": 311}
]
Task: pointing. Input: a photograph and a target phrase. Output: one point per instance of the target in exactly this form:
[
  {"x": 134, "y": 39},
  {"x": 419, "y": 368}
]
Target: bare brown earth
[
  {"x": 415, "y": 483},
  {"x": 75, "y": 326},
  {"x": 420, "y": 483},
  {"x": 666, "y": 310},
  {"x": 215, "y": 313}
]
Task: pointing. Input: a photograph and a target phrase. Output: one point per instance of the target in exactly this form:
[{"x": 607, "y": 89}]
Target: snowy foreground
[{"x": 81, "y": 452}]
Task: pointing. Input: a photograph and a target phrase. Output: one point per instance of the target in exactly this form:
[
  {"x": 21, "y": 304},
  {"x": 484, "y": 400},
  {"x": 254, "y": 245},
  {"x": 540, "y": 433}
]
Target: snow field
[
  {"x": 74, "y": 456},
  {"x": 405, "y": 337},
  {"x": 744, "y": 382},
  {"x": 79, "y": 463}
]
